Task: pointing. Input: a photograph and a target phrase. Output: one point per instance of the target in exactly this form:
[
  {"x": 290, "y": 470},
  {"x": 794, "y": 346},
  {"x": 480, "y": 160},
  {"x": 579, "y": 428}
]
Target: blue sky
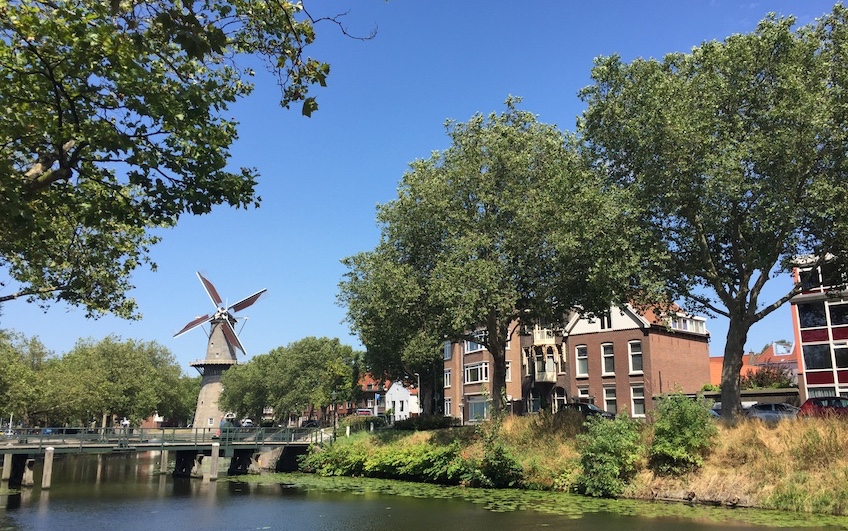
[{"x": 385, "y": 105}]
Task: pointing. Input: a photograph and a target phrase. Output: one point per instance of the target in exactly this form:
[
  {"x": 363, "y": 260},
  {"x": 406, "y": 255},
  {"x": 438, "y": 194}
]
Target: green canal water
[{"x": 125, "y": 492}]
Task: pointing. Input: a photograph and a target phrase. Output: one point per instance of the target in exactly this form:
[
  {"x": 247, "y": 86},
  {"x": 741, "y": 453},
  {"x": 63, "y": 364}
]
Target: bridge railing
[{"x": 128, "y": 436}]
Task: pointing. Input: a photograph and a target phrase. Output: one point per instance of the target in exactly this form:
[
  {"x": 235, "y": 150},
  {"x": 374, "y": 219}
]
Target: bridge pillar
[
  {"x": 7, "y": 467},
  {"x": 163, "y": 462},
  {"x": 213, "y": 466},
  {"x": 47, "y": 473},
  {"x": 28, "y": 478},
  {"x": 240, "y": 462},
  {"x": 184, "y": 463}
]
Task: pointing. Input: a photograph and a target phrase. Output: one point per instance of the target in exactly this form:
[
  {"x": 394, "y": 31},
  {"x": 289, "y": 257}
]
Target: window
[
  {"x": 609, "y": 400},
  {"x": 583, "y": 392},
  {"x": 840, "y": 353},
  {"x": 448, "y": 411},
  {"x": 475, "y": 345},
  {"x": 582, "y": 360},
  {"x": 525, "y": 362},
  {"x": 533, "y": 405},
  {"x": 210, "y": 421},
  {"x": 447, "y": 377},
  {"x": 638, "y": 401},
  {"x": 478, "y": 409},
  {"x": 817, "y": 356},
  {"x": 815, "y": 392},
  {"x": 608, "y": 354},
  {"x": 448, "y": 350},
  {"x": 400, "y": 404},
  {"x": 369, "y": 403},
  {"x": 471, "y": 346},
  {"x": 559, "y": 397},
  {"x": 838, "y": 314},
  {"x": 811, "y": 315},
  {"x": 508, "y": 375},
  {"x": 476, "y": 373},
  {"x": 635, "y": 348},
  {"x": 550, "y": 363},
  {"x": 606, "y": 321}
]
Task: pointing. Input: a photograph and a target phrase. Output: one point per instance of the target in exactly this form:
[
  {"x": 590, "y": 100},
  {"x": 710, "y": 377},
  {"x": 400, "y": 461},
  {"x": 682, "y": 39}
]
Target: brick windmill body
[{"x": 221, "y": 352}]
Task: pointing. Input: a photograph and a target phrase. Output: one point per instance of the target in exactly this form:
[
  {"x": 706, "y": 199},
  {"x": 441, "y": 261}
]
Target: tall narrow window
[
  {"x": 638, "y": 401},
  {"x": 635, "y": 348},
  {"x": 582, "y": 352},
  {"x": 606, "y": 321},
  {"x": 447, "y": 348},
  {"x": 447, "y": 378},
  {"x": 448, "y": 411},
  {"x": 609, "y": 358},
  {"x": 610, "y": 403}
]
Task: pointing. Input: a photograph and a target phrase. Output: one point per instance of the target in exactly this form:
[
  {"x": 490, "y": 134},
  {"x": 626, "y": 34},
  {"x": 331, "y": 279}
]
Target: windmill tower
[{"x": 221, "y": 352}]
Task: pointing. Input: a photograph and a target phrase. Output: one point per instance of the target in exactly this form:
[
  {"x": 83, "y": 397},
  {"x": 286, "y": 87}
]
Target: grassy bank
[{"x": 795, "y": 465}]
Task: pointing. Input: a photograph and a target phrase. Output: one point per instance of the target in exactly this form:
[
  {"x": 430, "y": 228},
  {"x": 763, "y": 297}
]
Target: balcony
[
  {"x": 546, "y": 336},
  {"x": 546, "y": 376}
]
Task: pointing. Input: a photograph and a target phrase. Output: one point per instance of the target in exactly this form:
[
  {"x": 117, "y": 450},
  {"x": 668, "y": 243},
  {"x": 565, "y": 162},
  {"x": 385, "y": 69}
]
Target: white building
[{"x": 402, "y": 402}]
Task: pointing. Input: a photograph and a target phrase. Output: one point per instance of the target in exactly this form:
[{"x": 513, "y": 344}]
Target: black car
[
  {"x": 588, "y": 410},
  {"x": 309, "y": 424}
]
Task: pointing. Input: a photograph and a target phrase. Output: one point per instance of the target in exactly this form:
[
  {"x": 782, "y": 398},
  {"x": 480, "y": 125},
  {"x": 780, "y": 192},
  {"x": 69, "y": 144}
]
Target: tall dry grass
[{"x": 798, "y": 465}]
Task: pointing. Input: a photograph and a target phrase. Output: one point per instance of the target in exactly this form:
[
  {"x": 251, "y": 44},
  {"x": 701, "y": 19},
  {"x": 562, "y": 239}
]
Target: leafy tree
[
  {"x": 732, "y": 157},
  {"x": 293, "y": 379},
  {"x": 24, "y": 393},
  {"x": 505, "y": 226},
  {"x": 113, "y": 125},
  {"x": 768, "y": 376},
  {"x": 113, "y": 377}
]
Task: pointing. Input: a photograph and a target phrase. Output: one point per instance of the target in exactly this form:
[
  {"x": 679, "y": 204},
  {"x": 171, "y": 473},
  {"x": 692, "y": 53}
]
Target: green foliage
[
  {"x": 768, "y": 376},
  {"x": 430, "y": 463},
  {"x": 711, "y": 388},
  {"x": 127, "y": 378},
  {"x": 115, "y": 124},
  {"x": 497, "y": 468},
  {"x": 732, "y": 159},
  {"x": 293, "y": 379},
  {"x": 683, "y": 434},
  {"x": 454, "y": 258},
  {"x": 610, "y": 451},
  {"x": 425, "y": 422}
]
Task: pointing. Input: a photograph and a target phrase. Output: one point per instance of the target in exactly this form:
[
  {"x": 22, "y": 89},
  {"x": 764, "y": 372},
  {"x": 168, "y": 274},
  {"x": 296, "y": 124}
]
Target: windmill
[{"x": 221, "y": 352}]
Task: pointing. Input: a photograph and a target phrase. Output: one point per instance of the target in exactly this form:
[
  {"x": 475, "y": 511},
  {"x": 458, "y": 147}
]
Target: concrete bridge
[{"x": 246, "y": 448}]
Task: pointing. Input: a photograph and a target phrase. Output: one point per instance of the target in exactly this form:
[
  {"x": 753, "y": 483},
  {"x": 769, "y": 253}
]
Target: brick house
[{"x": 618, "y": 361}]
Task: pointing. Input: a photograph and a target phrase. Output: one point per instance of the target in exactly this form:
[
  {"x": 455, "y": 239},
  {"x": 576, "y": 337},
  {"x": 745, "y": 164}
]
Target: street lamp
[
  {"x": 418, "y": 377},
  {"x": 335, "y": 415}
]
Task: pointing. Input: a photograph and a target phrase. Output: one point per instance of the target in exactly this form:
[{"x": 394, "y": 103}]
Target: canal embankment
[{"x": 792, "y": 465}]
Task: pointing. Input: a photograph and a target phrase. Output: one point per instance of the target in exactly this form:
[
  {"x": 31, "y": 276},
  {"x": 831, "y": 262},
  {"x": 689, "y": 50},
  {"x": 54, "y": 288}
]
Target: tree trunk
[{"x": 737, "y": 335}]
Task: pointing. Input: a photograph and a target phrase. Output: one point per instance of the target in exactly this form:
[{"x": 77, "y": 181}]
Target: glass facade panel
[
  {"x": 838, "y": 314},
  {"x": 811, "y": 315},
  {"x": 817, "y": 357}
]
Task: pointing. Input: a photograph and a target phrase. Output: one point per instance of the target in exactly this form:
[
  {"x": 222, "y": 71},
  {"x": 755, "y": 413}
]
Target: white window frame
[
  {"x": 637, "y": 399},
  {"x": 447, "y": 378},
  {"x": 610, "y": 398},
  {"x": 448, "y": 408},
  {"x": 631, "y": 353},
  {"x": 607, "y": 356},
  {"x": 508, "y": 372},
  {"x": 482, "y": 369},
  {"x": 584, "y": 349},
  {"x": 448, "y": 350},
  {"x": 582, "y": 392}
]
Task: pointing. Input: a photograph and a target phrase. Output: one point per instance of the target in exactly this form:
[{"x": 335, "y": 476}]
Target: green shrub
[
  {"x": 426, "y": 422},
  {"x": 334, "y": 460},
  {"x": 497, "y": 468},
  {"x": 683, "y": 435},
  {"x": 609, "y": 453}
]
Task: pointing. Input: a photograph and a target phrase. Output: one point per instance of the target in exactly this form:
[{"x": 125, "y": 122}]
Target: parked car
[
  {"x": 772, "y": 412},
  {"x": 588, "y": 410},
  {"x": 824, "y": 406},
  {"x": 309, "y": 424},
  {"x": 364, "y": 412},
  {"x": 246, "y": 423}
]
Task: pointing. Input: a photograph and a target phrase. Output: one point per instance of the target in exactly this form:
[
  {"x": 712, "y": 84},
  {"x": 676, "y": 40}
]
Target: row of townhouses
[
  {"x": 617, "y": 361},
  {"x": 624, "y": 359}
]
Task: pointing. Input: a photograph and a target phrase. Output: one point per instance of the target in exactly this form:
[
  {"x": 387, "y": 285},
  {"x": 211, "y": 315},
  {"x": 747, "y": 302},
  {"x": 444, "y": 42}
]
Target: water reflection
[{"x": 126, "y": 492}]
